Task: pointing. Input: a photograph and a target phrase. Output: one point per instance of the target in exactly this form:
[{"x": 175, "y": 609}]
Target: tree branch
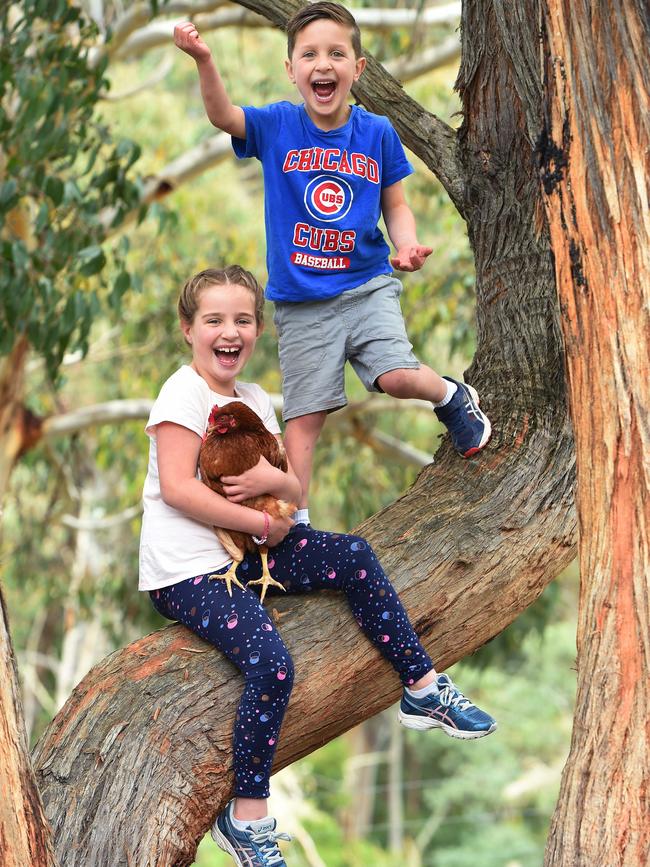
[
  {"x": 348, "y": 420},
  {"x": 106, "y": 523},
  {"x": 139, "y": 14},
  {"x": 189, "y": 165},
  {"x": 163, "y": 70},
  {"x": 159, "y": 33},
  {"x": 408, "y": 68}
]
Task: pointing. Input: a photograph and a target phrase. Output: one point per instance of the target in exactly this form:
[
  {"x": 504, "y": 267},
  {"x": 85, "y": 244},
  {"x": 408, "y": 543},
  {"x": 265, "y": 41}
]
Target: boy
[{"x": 329, "y": 169}]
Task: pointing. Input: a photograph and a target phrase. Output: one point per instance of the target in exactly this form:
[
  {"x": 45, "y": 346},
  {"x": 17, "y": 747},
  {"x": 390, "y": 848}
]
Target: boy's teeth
[{"x": 324, "y": 88}]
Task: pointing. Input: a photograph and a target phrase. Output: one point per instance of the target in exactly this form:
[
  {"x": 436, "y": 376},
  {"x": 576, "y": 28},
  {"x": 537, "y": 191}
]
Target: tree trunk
[
  {"x": 142, "y": 748},
  {"x": 24, "y": 832},
  {"x": 595, "y": 168}
]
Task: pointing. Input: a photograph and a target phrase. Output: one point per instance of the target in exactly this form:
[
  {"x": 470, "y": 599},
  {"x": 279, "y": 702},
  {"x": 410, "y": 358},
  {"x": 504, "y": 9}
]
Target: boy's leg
[
  {"x": 455, "y": 403},
  {"x": 300, "y": 438},
  {"x": 311, "y": 345},
  {"x": 383, "y": 358},
  {"x": 422, "y": 383}
]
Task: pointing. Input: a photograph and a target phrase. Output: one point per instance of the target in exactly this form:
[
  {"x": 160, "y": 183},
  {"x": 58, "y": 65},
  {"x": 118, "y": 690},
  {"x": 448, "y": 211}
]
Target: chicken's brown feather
[{"x": 236, "y": 449}]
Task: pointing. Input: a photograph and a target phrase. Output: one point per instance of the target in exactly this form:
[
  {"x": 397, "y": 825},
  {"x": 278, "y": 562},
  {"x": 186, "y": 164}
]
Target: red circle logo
[{"x": 327, "y": 198}]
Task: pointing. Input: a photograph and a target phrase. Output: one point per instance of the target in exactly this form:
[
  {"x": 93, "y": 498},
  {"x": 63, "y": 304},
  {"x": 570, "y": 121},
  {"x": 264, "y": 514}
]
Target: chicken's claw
[
  {"x": 230, "y": 577},
  {"x": 266, "y": 579}
]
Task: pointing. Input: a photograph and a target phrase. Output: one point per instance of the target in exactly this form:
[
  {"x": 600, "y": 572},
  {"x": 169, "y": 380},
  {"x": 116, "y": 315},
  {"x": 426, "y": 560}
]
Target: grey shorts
[{"x": 363, "y": 325}]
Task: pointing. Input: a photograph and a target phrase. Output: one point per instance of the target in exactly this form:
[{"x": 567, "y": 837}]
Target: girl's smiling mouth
[{"x": 227, "y": 355}]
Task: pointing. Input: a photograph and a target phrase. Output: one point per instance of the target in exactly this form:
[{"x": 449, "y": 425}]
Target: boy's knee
[
  {"x": 312, "y": 423},
  {"x": 397, "y": 383}
]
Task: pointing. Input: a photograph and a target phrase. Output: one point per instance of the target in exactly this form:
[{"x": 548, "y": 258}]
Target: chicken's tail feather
[{"x": 227, "y": 541}]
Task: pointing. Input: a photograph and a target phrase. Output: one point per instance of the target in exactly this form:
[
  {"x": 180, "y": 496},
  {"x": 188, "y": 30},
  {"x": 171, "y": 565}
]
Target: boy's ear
[
  {"x": 360, "y": 66},
  {"x": 288, "y": 65}
]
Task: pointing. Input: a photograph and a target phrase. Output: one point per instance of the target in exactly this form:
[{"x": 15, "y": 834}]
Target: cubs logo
[{"x": 328, "y": 199}]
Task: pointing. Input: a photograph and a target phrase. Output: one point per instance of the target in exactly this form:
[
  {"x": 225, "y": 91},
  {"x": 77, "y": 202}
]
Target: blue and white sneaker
[
  {"x": 254, "y": 847},
  {"x": 448, "y": 710},
  {"x": 468, "y": 425}
]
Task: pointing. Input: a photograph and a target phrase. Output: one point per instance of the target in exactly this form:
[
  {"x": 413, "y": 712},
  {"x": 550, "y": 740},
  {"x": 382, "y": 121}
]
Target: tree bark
[
  {"x": 24, "y": 831},
  {"x": 595, "y": 167},
  {"x": 142, "y": 748}
]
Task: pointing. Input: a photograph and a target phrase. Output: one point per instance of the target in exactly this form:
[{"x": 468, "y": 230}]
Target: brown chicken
[{"x": 233, "y": 443}]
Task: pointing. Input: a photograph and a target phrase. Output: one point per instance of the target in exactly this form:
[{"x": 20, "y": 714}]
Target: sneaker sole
[
  {"x": 420, "y": 723},
  {"x": 487, "y": 433},
  {"x": 224, "y": 843}
]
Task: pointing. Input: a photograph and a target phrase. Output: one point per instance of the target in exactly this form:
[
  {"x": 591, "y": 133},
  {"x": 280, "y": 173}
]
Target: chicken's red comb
[{"x": 213, "y": 412}]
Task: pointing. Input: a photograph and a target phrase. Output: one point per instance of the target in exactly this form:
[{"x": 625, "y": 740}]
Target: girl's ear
[
  {"x": 260, "y": 329},
  {"x": 185, "y": 328}
]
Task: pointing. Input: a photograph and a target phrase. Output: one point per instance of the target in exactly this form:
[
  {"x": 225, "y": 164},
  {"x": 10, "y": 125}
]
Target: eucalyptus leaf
[{"x": 55, "y": 188}]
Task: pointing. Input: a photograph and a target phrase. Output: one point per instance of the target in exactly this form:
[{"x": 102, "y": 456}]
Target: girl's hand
[
  {"x": 278, "y": 529},
  {"x": 411, "y": 258},
  {"x": 260, "y": 479},
  {"x": 186, "y": 37}
]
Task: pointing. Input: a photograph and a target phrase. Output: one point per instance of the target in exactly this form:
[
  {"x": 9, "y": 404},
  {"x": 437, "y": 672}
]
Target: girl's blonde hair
[{"x": 233, "y": 275}]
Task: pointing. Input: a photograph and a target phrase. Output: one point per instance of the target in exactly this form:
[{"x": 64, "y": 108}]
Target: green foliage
[{"x": 64, "y": 183}]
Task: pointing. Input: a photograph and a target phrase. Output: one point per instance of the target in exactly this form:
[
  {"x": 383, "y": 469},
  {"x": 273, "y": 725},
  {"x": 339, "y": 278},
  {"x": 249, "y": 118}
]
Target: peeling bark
[
  {"x": 24, "y": 832},
  {"x": 142, "y": 748},
  {"x": 595, "y": 163}
]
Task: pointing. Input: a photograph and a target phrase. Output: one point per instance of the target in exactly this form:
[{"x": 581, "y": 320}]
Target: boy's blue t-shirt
[{"x": 322, "y": 197}]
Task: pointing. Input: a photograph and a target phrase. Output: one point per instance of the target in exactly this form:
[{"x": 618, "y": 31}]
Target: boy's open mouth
[
  {"x": 228, "y": 355},
  {"x": 324, "y": 90}
]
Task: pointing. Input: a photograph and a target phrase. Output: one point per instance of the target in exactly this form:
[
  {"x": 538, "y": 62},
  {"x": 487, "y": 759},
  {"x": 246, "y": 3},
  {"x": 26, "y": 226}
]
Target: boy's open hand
[
  {"x": 186, "y": 37},
  {"x": 410, "y": 258}
]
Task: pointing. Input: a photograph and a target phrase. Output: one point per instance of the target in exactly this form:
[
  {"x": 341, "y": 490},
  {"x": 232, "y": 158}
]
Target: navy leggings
[{"x": 240, "y": 626}]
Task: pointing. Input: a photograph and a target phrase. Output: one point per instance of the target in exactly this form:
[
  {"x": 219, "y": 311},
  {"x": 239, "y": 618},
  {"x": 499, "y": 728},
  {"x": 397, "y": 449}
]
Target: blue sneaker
[
  {"x": 254, "y": 847},
  {"x": 448, "y": 710},
  {"x": 469, "y": 427}
]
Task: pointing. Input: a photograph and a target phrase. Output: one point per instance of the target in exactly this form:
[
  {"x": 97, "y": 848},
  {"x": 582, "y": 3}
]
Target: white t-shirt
[{"x": 174, "y": 546}]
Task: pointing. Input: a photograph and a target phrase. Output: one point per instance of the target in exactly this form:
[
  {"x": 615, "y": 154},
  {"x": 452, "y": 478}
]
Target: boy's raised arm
[
  {"x": 220, "y": 110},
  {"x": 410, "y": 255}
]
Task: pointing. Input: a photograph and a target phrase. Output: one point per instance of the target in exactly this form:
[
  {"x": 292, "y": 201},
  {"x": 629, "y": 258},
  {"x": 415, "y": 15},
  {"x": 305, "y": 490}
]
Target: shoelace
[
  {"x": 266, "y": 840},
  {"x": 450, "y": 696}
]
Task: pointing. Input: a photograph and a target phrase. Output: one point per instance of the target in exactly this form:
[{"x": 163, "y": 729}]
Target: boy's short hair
[
  {"x": 188, "y": 302},
  {"x": 316, "y": 11}
]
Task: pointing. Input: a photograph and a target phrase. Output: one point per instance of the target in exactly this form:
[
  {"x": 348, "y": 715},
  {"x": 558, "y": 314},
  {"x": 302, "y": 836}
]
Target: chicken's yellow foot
[
  {"x": 266, "y": 579},
  {"x": 229, "y": 577}
]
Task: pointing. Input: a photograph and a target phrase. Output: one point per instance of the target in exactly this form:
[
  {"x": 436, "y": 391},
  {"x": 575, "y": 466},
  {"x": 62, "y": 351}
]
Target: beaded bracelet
[{"x": 262, "y": 540}]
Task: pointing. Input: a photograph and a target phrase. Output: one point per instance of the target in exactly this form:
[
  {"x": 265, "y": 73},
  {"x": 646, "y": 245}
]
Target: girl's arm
[
  {"x": 263, "y": 478},
  {"x": 178, "y": 455},
  {"x": 400, "y": 222},
  {"x": 220, "y": 110}
]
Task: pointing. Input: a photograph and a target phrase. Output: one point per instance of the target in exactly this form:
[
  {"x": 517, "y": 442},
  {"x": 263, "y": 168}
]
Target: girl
[{"x": 221, "y": 317}]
